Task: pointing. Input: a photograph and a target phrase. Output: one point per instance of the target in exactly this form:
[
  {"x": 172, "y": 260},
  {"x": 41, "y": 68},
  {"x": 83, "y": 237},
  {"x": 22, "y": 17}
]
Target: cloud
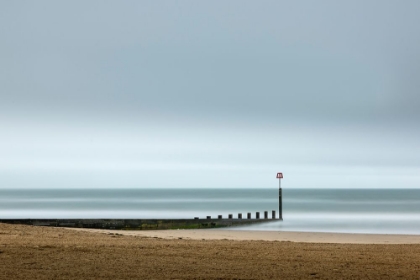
[{"x": 323, "y": 60}]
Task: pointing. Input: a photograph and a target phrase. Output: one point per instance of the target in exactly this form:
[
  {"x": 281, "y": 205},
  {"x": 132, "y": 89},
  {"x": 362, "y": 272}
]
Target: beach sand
[
  {"x": 28, "y": 252},
  {"x": 306, "y": 237}
]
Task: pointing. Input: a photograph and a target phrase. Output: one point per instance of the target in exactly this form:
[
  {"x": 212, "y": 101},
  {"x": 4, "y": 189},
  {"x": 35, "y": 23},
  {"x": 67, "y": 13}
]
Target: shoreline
[{"x": 248, "y": 235}]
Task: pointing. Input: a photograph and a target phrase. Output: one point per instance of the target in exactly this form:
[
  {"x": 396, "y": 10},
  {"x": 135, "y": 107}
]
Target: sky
[{"x": 198, "y": 94}]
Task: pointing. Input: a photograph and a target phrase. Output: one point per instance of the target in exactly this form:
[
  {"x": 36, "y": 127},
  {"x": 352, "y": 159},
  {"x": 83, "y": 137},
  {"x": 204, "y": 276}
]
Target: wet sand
[
  {"x": 28, "y": 252},
  {"x": 306, "y": 237}
]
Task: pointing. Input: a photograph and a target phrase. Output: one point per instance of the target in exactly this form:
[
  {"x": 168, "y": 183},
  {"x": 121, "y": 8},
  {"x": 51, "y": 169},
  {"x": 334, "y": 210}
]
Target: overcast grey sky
[{"x": 209, "y": 94}]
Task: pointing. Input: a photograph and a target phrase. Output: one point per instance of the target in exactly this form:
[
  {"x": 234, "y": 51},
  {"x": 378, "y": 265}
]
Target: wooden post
[
  {"x": 273, "y": 214},
  {"x": 257, "y": 215},
  {"x": 280, "y": 176},
  {"x": 220, "y": 217},
  {"x": 249, "y": 216},
  {"x": 208, "y": 217},
  {"x": 266, "y": 215},
  {"x": 240, "y": 216},
  {"x": 230, "y": 216},
  {"x": 280, "y": 203}
]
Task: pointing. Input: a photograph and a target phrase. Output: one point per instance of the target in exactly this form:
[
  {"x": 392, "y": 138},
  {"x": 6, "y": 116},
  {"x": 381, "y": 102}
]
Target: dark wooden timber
[
  {"x": 280, "y": 204},
  {"x": 136, "y": 224}
]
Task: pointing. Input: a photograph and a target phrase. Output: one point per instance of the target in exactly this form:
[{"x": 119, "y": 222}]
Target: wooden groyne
[{"x": 142, "y": 224}]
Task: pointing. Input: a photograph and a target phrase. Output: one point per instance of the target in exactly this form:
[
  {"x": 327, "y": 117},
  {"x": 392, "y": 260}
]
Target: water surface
[{"x": 394, "y": 211}]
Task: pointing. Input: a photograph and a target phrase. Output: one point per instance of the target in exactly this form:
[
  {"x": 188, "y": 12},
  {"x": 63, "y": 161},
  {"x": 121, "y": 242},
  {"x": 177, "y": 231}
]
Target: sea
[{"x": 376, "y": 211}]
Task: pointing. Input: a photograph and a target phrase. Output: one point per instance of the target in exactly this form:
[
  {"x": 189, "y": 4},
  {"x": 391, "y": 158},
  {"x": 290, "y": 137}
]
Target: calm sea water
[{"x": 320, "y": 210}]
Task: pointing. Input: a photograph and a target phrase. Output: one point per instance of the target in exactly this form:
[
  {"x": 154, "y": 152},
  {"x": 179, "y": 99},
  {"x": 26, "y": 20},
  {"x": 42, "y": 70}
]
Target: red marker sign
[{"x": 279, "y": 175}]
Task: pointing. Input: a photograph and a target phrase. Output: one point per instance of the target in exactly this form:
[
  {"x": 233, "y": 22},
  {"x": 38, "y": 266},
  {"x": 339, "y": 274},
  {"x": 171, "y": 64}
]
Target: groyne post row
[{"x": 248, "y": 216}]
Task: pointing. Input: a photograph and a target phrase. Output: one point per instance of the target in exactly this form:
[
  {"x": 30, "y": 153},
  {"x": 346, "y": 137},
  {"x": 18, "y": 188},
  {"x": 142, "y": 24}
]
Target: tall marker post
[{"x": 280, "y": 176}]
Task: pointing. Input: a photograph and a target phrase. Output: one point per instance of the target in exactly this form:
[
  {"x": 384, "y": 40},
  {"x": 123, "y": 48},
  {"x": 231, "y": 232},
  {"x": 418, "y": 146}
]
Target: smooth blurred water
[{"x": 319, "y": 210}]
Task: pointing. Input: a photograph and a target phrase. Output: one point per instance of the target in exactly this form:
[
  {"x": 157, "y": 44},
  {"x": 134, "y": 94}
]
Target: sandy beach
[
  {"x": 305, "y": 237},
  {"x": 28, "y": 252}
]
